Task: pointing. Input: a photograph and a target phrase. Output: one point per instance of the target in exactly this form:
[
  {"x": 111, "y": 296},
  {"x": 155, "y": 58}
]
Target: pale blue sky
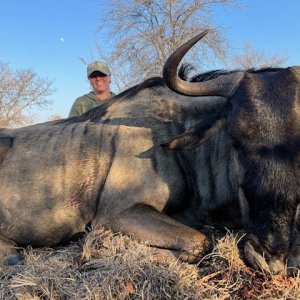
[{"x": 49, "y": 37}]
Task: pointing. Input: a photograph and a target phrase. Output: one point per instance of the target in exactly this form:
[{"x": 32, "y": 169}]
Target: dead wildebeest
[{"x": 111, "y": 167}]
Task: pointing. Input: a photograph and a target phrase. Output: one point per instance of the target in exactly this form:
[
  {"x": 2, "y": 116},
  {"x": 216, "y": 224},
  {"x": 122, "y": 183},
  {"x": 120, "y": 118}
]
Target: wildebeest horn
[{"x": 223, "y": 85}]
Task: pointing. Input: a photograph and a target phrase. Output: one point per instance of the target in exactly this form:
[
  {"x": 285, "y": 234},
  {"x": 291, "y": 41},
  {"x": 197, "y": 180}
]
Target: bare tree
[
  {"x": 143, "y": 33},
  {"x": 252, "y": 58},
  {"x": 20, "y": 91},
  {"x": 55, "y": 117}
]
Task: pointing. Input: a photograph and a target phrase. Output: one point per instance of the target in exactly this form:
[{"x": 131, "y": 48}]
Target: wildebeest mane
[
  {"x": 216, "y": 73},
  {"x": 186, "y": 72}
]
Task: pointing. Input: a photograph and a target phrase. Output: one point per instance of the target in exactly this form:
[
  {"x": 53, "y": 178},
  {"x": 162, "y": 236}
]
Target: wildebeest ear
[{"x": 201, "y": 133}]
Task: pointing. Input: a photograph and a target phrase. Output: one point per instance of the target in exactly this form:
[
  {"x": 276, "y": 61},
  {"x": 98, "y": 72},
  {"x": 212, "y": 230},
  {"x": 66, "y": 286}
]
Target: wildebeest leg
[
  {"x": 8, "y": 252},
  {"x": 145, "y": 223}
]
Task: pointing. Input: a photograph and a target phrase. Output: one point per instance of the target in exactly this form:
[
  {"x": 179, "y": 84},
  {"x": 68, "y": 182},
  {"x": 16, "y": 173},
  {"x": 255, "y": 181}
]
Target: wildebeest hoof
[
  {"x": 188, "y": 257},
  {"x": 260, "y": 259},
  {"x": 197, "y": 252},
  {"x": 255, "y": 259},
  {"x": 293, "y": 266},
  {"x": 293, "y": 262},
  {"x": 12, "y": 260}
]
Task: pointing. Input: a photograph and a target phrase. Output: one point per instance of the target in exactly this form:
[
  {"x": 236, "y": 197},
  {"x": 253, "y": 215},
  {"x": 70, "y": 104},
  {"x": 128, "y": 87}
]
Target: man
[{"x": 99, "y": 76}]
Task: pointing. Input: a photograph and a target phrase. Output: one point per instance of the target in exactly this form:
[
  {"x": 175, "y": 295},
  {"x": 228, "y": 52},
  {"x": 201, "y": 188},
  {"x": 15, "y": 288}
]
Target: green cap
[{"x": 99, "y": 66}]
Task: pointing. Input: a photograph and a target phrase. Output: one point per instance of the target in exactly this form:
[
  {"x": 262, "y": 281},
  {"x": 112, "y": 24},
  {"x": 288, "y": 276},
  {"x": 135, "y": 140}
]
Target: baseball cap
[{"x": 99, "y": 66}]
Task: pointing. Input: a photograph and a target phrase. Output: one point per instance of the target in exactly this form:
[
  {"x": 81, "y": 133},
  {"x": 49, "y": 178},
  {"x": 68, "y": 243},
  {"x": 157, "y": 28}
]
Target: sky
[{"x": 50, "y": 36}]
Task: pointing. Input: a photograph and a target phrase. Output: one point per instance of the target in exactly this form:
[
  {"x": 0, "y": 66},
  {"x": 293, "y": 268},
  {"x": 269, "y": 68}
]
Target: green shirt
[{"x": 85, "y": 103}]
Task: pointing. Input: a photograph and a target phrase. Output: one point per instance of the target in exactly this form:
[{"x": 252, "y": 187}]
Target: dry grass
[{"x": 112, "y": 266}]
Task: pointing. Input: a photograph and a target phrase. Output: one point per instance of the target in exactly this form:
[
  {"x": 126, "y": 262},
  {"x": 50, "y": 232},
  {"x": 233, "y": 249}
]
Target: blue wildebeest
[{"x": 111, "y": 167}]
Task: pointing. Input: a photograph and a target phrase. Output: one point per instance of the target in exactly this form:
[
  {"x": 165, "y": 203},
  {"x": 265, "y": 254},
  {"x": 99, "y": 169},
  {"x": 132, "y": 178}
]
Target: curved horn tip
[{"x": 205, "y": 32}]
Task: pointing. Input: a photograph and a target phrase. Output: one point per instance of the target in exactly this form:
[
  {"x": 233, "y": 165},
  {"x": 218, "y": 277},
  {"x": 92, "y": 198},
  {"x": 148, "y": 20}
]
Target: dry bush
[
  {"x": 140, "y": 35},
  {"x": 104, "y": 265},
  {"x": 20, "y": 92},
  {"x": 252, "y": 58}
]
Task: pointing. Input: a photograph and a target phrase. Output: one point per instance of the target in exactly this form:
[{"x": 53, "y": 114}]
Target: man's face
[{"x": 99, "y": 82}]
